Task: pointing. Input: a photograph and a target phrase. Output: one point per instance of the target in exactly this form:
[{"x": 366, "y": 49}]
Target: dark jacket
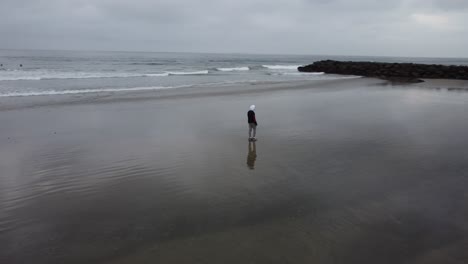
[{"x": 251, "y": 117}]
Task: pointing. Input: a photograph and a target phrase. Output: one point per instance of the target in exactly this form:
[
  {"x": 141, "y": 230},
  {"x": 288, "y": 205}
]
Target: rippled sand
[{"x": 347, "y": 171}]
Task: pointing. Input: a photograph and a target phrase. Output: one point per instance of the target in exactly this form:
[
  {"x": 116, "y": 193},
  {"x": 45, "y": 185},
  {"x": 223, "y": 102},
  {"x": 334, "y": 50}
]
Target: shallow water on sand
[{"x": 356, "y": 175}]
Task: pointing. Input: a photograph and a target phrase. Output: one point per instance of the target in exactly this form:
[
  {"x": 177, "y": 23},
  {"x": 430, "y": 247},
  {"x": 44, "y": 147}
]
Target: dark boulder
[{"x": 401, "y": 72}]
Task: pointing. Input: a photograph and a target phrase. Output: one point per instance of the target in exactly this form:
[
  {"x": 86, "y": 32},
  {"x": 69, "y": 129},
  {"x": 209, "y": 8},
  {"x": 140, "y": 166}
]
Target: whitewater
[{"x": 54, "y": 73}]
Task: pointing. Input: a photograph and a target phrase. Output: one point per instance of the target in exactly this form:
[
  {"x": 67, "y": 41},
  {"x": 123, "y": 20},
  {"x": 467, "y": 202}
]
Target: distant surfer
[{"x": 252, "y": 123}]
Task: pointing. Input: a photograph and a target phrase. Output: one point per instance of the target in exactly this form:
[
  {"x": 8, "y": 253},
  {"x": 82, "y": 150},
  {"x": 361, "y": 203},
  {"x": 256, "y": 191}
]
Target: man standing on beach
[{"x": 252, "y": 123}]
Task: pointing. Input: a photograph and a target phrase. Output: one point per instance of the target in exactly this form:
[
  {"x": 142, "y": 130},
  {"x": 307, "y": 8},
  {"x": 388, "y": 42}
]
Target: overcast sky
[{"x": 433, "y": 28}]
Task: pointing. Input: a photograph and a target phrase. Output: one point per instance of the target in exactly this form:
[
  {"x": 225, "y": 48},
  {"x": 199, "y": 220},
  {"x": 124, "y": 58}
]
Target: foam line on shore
[
  {"x": 85, "y": 91},
  {"x": 281, "y": 67},
  {"x": 233, "y": 69}
]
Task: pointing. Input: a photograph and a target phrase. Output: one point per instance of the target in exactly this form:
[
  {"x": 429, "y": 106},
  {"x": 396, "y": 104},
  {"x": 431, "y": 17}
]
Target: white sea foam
[
  {"x": 156, "y": 74},
  {"x": 301, "y": 73},
  {"x": 281, "y": 67},
  {"x": 110, "y": 90},
  {"x": 189, "y": 73},
  {"x": 51, "y": 75},
  {"x": 86, "y": 91},
  {"x": 233, "y": 69},
  {"x": 136, "y": 89},
  {"x": 19, "y": 78},
  {"x": 316, "y": 75}
]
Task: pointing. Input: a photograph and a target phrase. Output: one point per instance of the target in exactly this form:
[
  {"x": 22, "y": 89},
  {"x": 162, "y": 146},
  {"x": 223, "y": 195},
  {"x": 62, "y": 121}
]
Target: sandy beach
[{"x": 344, "y": 171}]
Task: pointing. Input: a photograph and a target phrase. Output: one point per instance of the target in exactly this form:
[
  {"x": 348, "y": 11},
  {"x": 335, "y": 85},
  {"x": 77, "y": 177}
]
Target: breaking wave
[
  {"x": 86, "y": 91},
  {"x": 281, "y": 67},
  {"x": 156, "y": 74},
  {"x": 44, "y": 75},
  {"x": 233, "y": 69},
  {"x": 299, "y": 73},
  {"x": 189, "y": 73}
]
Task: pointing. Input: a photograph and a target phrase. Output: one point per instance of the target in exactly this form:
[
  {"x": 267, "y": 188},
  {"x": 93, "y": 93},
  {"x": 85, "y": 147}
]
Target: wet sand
[{"x": 346, "y": 171}]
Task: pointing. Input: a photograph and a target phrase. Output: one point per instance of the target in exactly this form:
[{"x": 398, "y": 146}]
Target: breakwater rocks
[{"x": 396, "y": 72}]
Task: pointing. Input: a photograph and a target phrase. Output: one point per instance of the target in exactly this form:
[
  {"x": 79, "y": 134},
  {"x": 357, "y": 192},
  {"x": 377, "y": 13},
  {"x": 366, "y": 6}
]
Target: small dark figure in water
[
  {"x": 252, "y": 123},
  {"x": 252, "y": 155},
  {"x": 21, "y": 65}
]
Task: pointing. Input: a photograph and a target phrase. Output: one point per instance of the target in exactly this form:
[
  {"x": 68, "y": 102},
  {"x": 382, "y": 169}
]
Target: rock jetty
[{"x": 398, "y": 72}]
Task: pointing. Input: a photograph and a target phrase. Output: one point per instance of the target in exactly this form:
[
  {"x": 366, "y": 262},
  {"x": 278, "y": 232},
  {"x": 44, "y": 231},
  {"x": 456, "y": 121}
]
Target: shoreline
[
  {"x": 15, "y": 103},
  {"x": 26, "y": 102}
]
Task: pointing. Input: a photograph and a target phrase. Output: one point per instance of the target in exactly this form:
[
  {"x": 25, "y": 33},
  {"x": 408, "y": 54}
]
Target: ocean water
[{"x": 52, "y": 73}]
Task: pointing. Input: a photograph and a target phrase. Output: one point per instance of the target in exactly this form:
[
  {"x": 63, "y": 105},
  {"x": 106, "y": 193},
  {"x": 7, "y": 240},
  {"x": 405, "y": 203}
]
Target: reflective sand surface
[{"x": 348, "y": 173}]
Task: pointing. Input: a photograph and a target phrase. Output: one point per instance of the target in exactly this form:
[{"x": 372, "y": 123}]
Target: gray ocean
[
  {"x": 32, "y": 73},
  {"x": 110, "y": 157}
]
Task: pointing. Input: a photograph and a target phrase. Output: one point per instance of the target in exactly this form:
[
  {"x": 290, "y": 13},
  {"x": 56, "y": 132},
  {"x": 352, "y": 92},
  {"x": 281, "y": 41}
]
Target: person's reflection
[{"x": 252, "y": 155}]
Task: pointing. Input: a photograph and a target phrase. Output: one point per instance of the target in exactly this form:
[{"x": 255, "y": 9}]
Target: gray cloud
[
  {"x": 361, "y": 27},
  {"x": 450, "y": 4}
]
